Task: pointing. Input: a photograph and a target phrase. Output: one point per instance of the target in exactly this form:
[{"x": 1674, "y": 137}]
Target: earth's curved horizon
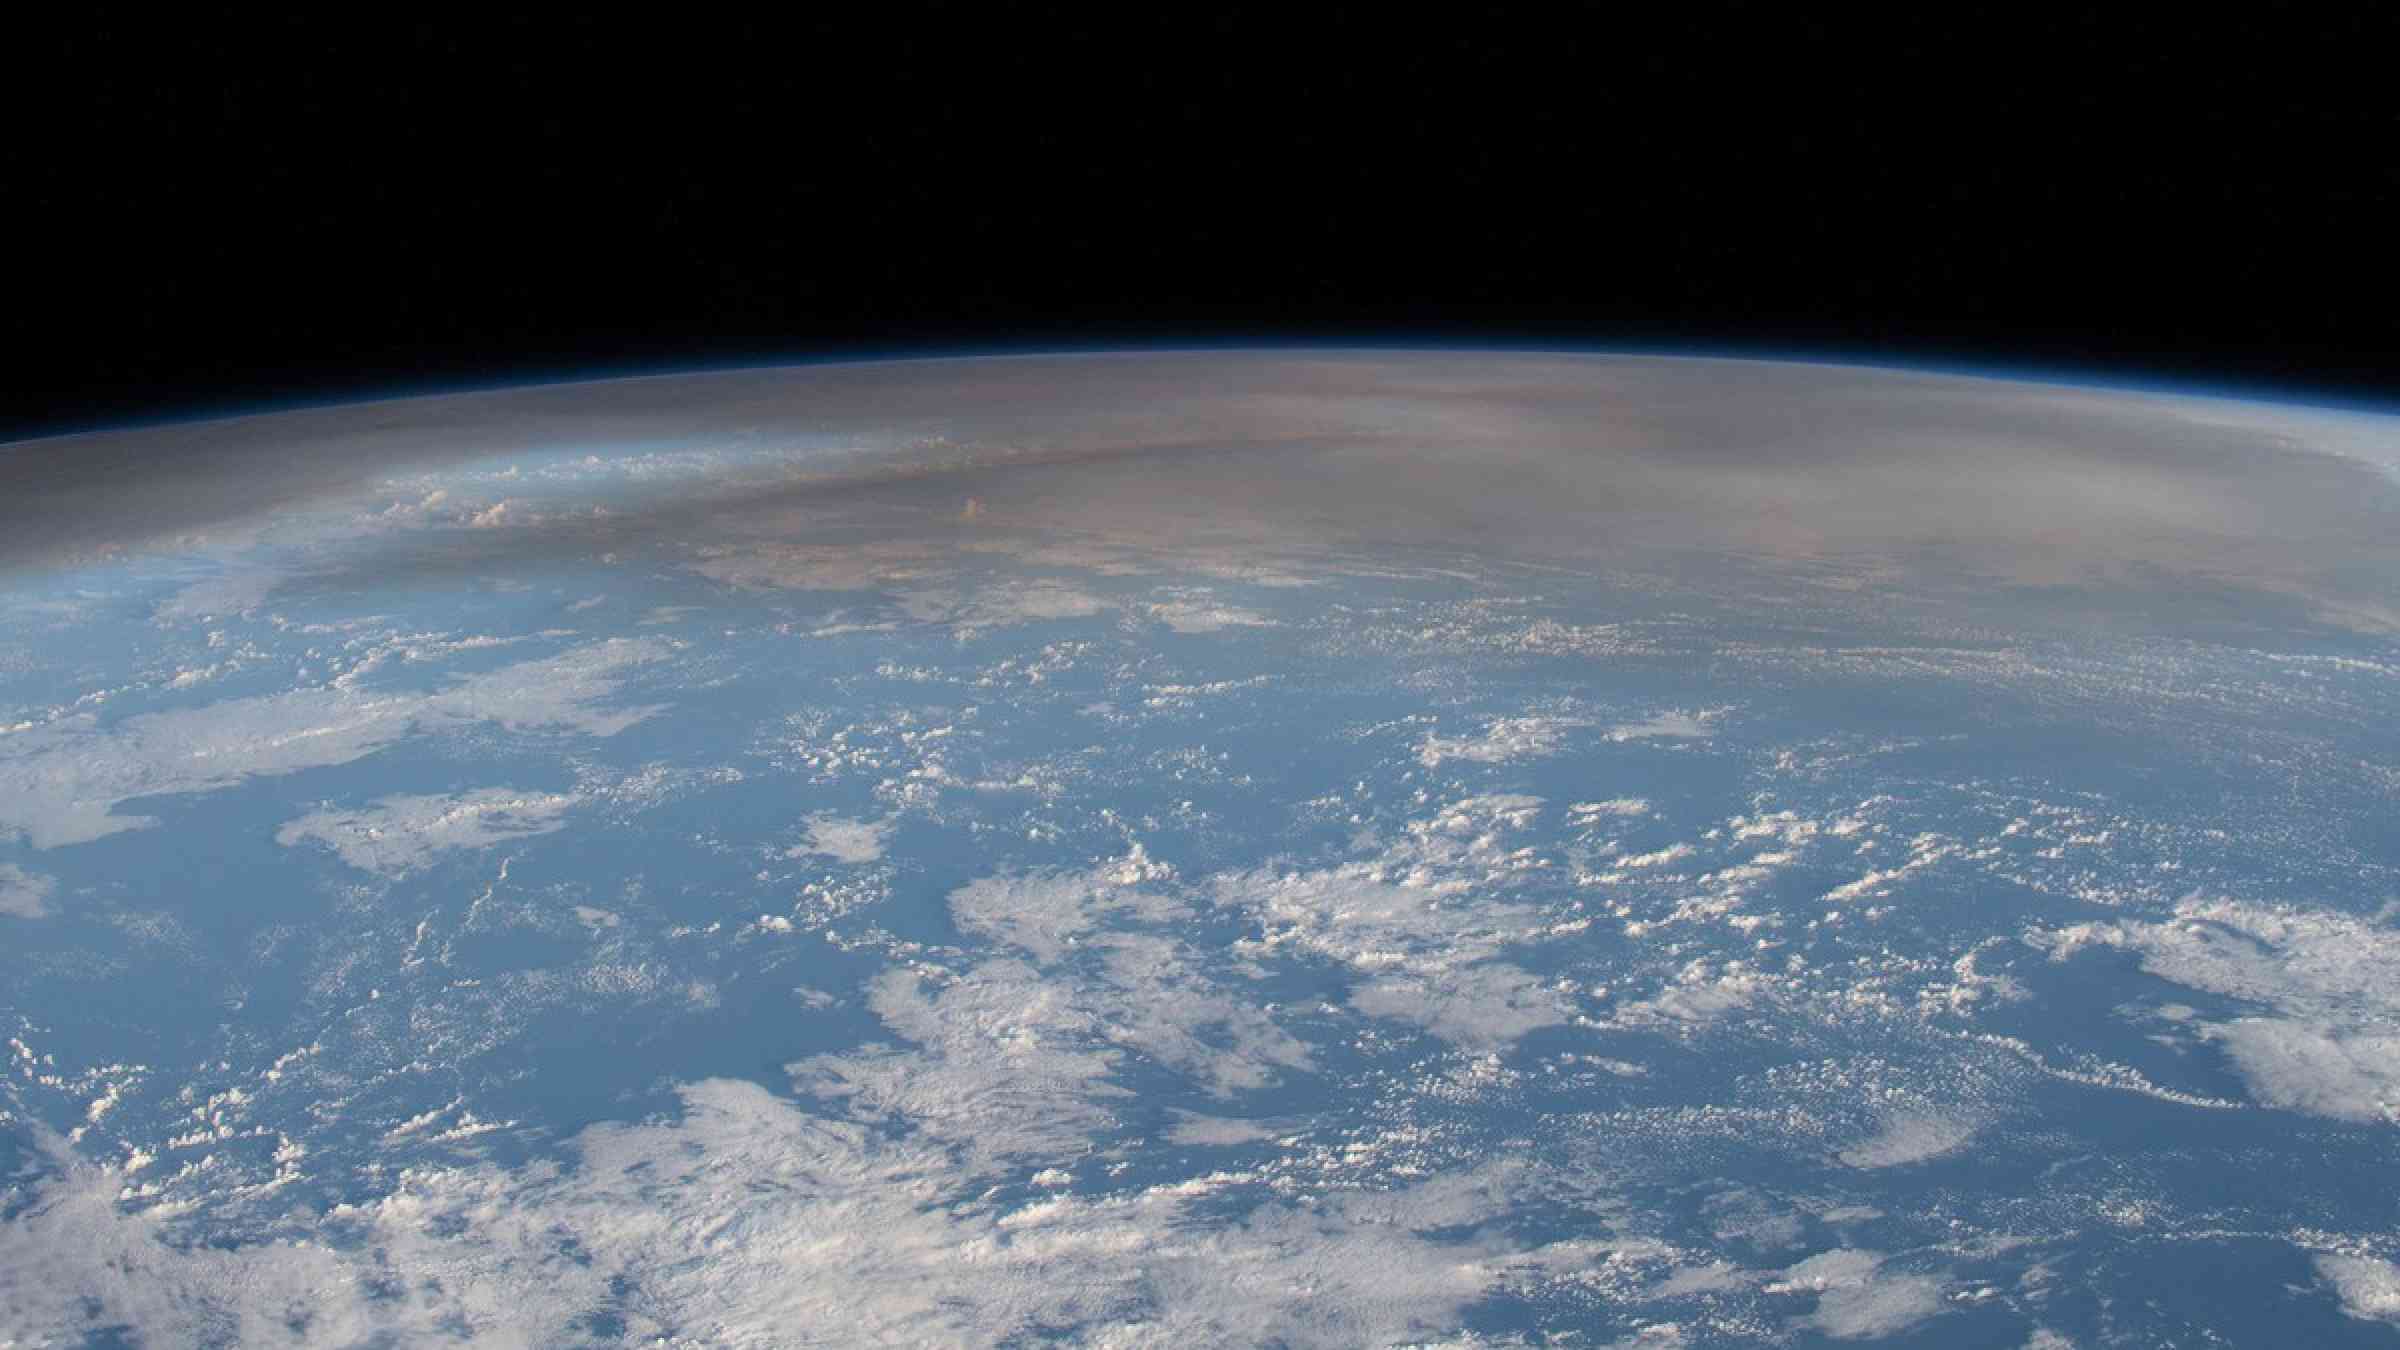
[{"x": 1283, "y": 847}]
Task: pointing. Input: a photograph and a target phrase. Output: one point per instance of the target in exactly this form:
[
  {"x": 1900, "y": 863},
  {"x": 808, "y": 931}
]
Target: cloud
[
  {"x": 1142, "y": 988},
  {"x": 748, "y": 1221},
  {"x": 402, "y": 834},
  {"x": 1480, "y": 1007},
  {"x": 2346, "y": 1073},
  {"x": 1215, "y": 1131},
  {"x": 1672, "y": 725},
  {"x": 1008, "y": 1067},
  {"x": 849, "y": 841},
  {"x": 1000, "y": 604},
  {"x": 931, "y": 1194},
  {"x": 1417, "y": 920},
  {"x": 2328, "y": 985},
  {"x": 1857, "y": 1297},
  {"x": 1910, "y": 1137},
  {"x": 1049, "y": 914},
  {"x": 61, "y": 783},
  {"x": 2368, "y": 1288},
  {"x": 1698, "y": 993},
  {"x": 778, "y": 564},
  {"x": 1204, "y": 616},
  {"x": 1501, "y": 740},
  {"x": 232, "y": 592},
  {"x": 1675, "y": 852},
  {"x": 23, "y": 894},
  {"x": 1590, "y": 813}
]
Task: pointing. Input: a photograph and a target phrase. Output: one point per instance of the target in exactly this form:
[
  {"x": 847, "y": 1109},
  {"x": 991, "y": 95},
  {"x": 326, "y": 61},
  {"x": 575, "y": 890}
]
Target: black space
[{"x": 230, "y": 214}]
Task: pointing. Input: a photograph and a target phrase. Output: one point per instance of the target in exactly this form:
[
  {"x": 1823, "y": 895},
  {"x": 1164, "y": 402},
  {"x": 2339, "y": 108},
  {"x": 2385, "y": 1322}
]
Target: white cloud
[
  {"x": 61, "y": 783},
  {"x": 1501, "y": 740},
  {"x": 2368, "y": 1288},
  {"x": 1215, "y": 1131},
  {"x": 1418, "y": 919},
  {"x": 1009, "y": 1067},
  {"x": 1141, "y": 988},
  {"x": 2329, "y": 985},
  {"x": 1205, "y": 616},
  {"x": 2309, "y": 1066},
  {"x": 1480, "y": 1007},
  {"x": 1857, "y": 1298},
  {"x": 1700, "y": 992},
  {"x": 400, "y": 834},
  {"x": 1586, "y": 813},
  {"x": 850, "y": 841},
  {"x": 1001, "y": 604},
  {"x": 229, "y": 593},
  {"x": 1047, "y": 914},
  {"x": 1672, "y": 725},
  {"x": 750, "y": 1222},
  {"x": 865, "y": 566},
  {"x": 1676, "y": 852},
  {"x": 23, "y": 894},
  {"x": 1909, "y": 1138}
]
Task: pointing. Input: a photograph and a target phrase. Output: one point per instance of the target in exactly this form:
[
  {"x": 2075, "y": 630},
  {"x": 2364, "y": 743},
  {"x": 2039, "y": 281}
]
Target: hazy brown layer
[{"x": 1565, "y": 457}]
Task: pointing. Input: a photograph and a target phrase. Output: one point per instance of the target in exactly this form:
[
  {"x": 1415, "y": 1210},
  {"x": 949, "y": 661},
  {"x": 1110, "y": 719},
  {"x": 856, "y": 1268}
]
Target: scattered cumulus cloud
[
  {"x": 666, "y": 1227},
  {"x": 1419, "y": 920}
]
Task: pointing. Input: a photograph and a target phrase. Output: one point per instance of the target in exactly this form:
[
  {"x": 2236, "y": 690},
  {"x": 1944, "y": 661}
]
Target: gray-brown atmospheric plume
[{"x": 1958, "y": 482}]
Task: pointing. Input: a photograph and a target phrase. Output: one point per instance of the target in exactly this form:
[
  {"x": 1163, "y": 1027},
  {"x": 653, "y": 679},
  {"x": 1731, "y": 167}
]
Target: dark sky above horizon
[{"x": 265, "y": 211}]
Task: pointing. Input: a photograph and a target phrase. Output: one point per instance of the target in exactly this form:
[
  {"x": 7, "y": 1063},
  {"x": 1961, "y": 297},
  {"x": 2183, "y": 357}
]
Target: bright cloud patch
[
  {"x": 1007, "y": 1028},
  {"x": 1910, "y": 1138},
  {"x": 1001, "y": 605},
  {"x": 1205, "y": 616},
  {"x": 1482, "y": 1007},
  {"x": 397, "y": 835},
  {"x": 1858, "y": 1297},
  {"x": 2328, "y": 986},
  {"x": 1672, "y": 725},
  {"x": 2369, "y": 1289},
  {"x": 1501, "y": 740},
  {"x": 1419, "y": 920},
  {"x": 1615, "y": 808},
  {"x": 751, "y": 1222},
  {"x": 850, "y": 841},
  {"x": 61, "y": 784},
  {"x": 23, "y": 894}
]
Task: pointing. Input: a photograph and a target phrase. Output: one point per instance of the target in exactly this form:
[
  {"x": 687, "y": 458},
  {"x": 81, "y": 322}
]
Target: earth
[{"x": 1277, "y": 848}]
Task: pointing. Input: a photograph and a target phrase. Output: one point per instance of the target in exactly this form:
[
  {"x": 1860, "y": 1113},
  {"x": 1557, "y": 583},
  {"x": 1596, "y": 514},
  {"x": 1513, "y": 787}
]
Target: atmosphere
[
  {"x": 1287, "y": 678},
  {"x": 1300, "y": 847}
]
